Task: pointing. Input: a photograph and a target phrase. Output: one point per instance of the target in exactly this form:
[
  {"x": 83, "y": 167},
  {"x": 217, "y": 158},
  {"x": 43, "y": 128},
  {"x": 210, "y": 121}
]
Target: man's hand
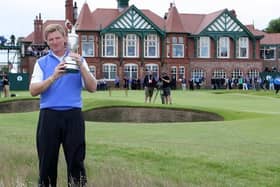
[
  {"x": 59, "y": 70},
  {"x": 76, "y": 57}
]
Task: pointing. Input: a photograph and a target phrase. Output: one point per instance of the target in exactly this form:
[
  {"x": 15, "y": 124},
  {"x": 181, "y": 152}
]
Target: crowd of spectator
[{"x": 36, "y": 51}]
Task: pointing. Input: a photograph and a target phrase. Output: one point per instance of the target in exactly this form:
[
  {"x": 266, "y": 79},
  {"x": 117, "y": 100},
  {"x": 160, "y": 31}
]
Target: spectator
[
  {"x": 6, "y": 86},
  {"x": 277, "y": 84},
  {"x": 183, "y": 83},
  {"x": 1, "y": 86},
  {"x": 197, "y": 82},
  {"x": 166, "y": 88},
  {"x": 191, "y": 84},
  {"x": 149, "y": 86},
  {"x": 117, "y": 82},
  {"x": 245, "y": 84},
  {"x": 125, "y": 83}
]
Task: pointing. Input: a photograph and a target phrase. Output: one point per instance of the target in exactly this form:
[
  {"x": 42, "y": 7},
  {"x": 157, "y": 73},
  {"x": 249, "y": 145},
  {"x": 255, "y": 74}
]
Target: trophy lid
[{"x": 73, "y": 38}]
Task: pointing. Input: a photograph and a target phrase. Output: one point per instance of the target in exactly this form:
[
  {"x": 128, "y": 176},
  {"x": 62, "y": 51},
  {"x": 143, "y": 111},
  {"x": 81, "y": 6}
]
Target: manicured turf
[{"x": 243, "y": 150}]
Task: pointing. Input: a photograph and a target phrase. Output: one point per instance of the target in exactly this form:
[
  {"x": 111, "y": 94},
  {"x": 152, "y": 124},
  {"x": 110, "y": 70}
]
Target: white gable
[
  {"x": 225, "y": 23},
  {"x": 132, "y": 20}
]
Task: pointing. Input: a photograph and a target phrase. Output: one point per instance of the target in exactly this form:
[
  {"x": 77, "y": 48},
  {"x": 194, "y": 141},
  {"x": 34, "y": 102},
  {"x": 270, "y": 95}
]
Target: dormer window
[
  {"x": 242, "y": 47},
  {"x": 109, "y": 45},
  {"x": 223, "y": 47},
  {"x": 151, "y": 46},
  {"x": 130, "y": 45}
]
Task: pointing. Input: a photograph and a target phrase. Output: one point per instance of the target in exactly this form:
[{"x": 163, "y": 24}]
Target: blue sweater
[{"x": 65, "y": 92}]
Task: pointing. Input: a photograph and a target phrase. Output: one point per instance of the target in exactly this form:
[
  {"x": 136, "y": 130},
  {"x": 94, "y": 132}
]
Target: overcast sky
[{"x": 17, "y": 16}]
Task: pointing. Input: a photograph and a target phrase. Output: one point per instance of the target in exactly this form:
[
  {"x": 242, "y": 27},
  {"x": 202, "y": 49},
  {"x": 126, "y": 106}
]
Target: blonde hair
[{"x": 52, "y": 28}]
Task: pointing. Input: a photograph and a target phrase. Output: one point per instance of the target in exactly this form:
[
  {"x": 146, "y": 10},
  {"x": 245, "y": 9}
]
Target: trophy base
[
  {"x": 72, "y": 70},
  {"x": 71, "y": 66}
]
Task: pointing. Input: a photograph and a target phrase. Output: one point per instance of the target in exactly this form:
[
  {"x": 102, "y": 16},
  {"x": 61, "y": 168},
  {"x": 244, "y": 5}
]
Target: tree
[
  {"x": 273, "y": 26},
  {"x": 5, "y": 69}
]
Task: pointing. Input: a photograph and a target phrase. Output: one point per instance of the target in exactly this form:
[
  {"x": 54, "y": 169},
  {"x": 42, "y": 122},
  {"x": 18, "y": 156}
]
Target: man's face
[{"x": 56, "y": 42}]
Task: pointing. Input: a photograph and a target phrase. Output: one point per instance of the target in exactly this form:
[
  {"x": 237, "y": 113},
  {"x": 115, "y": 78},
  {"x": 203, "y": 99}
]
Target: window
[
  {"x": 173, "y": 73},
  {"x": 87, "y": 45},
  {"x": 109, "y": 71},
  {"x": 109, "y": 45},
  {"x": 253, "y": 73},
  {"x": 181, "y": 72},
  {"x": 203, "y": 47},
  {"x": 223, "y": 47},
  {"x": 242, "y": 47},
  {"x": 130, "y": 45},
  {"x": 151, "y": 46},
  {"x": 130, "y": 71},
  {"x": 268, "y": 53},
  {"x": 92, "y": 69},
  {"x": 236, "y": 74},
  {"x": 219, "y": 73},
  {"x": 177, "y": 45},
  {"x": 197, "y": 73},
  {"x": 153, "y": 68},
  {"x": 12, "y": 56},
  {"x": 168, "y": 43}
]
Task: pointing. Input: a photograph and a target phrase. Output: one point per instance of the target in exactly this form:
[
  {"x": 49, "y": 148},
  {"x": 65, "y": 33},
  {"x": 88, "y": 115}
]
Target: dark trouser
[
  {"x": 277, "y": 88},
  {"x": 66, "y": 128}
]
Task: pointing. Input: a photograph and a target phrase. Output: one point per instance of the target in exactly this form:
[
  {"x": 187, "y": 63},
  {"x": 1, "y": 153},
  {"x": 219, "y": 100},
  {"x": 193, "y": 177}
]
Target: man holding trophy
[{"x": 59, "y": 78}]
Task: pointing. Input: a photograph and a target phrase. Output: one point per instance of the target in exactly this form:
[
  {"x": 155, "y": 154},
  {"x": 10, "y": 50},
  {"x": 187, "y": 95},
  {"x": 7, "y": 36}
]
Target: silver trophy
[{"x": 71, "y": 65}]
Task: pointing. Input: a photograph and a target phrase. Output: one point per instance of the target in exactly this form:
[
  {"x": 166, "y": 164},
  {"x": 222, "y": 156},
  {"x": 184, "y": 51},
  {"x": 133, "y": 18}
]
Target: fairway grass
[{"x": 242, "y": 151}]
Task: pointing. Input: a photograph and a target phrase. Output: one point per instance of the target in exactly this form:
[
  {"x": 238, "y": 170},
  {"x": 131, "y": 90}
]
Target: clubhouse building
[{"x": 125, "y": 42}]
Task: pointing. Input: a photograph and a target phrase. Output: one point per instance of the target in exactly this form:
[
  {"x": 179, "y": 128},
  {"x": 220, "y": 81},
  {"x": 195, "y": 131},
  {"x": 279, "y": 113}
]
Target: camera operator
[{"x": 166, "y": 88}]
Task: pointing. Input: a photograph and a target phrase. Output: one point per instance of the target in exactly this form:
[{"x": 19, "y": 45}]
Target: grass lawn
[{"x": 241, "y": 151}]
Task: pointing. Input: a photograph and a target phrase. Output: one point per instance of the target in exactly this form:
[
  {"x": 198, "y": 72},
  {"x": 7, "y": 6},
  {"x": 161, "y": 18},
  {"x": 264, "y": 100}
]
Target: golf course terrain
[{"x": 240, "y": 149}]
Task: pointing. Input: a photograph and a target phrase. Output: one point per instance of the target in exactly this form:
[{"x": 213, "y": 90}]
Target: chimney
[
  {"x": 170, "y": 6},
  {"x": 122, "y": 4},
  {"x": 69, "y": 11},
  {"x": 233, "y": 12},
  {"x": 38, "y": 31},
  {"x": 75, "y": 13},
  {"x": 169, "y": 9},
  {"x": 165, "y": 15}
]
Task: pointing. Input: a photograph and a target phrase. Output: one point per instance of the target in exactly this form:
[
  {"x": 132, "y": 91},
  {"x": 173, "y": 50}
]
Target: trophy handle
[{"x": 68, "y": 25}]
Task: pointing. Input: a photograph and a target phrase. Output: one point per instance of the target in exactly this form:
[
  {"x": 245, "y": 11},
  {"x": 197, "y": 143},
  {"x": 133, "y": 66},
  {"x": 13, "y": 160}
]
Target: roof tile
[{"x": 173, "y": 21}]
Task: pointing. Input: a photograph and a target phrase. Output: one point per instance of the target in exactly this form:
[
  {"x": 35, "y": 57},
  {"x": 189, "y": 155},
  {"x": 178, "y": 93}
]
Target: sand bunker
[
  {"x": 122, "y": 114},
  {"x": 148, "y": 115},
  {"x": 19, "y": 106}
]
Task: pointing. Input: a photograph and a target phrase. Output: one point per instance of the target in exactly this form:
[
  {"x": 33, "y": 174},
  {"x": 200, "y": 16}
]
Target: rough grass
[{"x": 243, "y": 150}]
